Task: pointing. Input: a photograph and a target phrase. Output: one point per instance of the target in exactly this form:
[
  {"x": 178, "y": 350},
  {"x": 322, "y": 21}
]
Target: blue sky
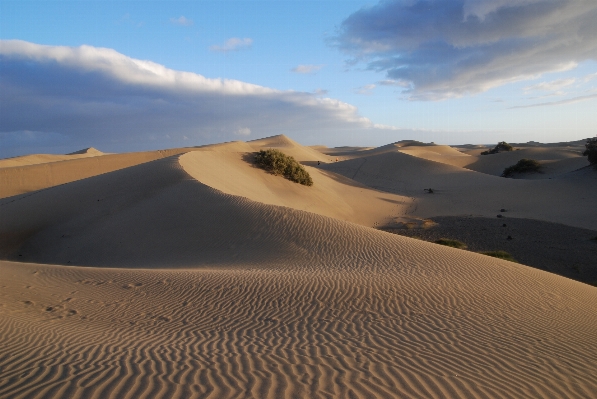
[{"x": 341, "y": 72}]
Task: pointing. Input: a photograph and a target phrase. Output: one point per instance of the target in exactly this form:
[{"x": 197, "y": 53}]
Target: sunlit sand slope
[
  {"x": 156, "y": 215},
  {"x": 331, "y": 195},
  {"x": 419, "y": 325},
  {"x": 567, "y": 199},
  {"x": 554, "y": 161},
  {"x": 23, "y": 179},
  {"x": 290, "y": 147},
  {"x": 46, "y": 158}
]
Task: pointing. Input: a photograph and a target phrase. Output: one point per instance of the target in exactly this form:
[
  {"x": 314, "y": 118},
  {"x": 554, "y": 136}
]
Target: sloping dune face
[
  {"x": 458, "y": 191},
  {"x": 238, "y": 298},
  {"x": 554, "y": 161},
  {"x": 289, "y": 147},
  {"x": 44, "y": 173},
  {"x": 331, "y": 195},
  {"x": 35, "y": 159}
]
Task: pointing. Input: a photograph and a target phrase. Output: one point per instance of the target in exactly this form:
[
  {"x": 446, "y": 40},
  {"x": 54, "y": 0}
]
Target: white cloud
[
  {"x": 550, "y": 86},
  {"x": 365, "y": 89},
  {"x": 454, "y": 48},
  {"x": 243, "y": 131},
  {"x": 561, "y": 102},
  {"x": 397, "y": 83},
  {"x": 233, "y": 44},
  {"x": 320, "y": 92},
  {"x": 304, "y": 69},
  {"x": 182, "y": 21},
  {"x": 88, "y": 96}
]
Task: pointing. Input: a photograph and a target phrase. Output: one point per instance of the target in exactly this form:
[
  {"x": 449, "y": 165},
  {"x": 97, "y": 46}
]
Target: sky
[{"x": 141, "y": 75}]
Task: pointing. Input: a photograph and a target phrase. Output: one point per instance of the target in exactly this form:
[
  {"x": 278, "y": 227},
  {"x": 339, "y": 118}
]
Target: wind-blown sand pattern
[{"x": 194, "y": 290}]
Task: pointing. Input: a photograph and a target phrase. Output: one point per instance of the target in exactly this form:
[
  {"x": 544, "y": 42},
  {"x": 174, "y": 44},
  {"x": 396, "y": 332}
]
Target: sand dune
[
  {"x": 46, "y": 158},
  {"x": 209, "y": 278},
  {"x": 290, "y": 147},
  {"x": 331, "y": 195},
  {"x": 554, "y": 161},
  {"x": 459, "y": 191},
  {"x": 36, "y": 176}
]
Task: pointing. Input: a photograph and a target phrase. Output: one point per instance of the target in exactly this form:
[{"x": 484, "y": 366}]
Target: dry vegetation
[
  {"x": 591, "y": 151},
  {"x": 502, "y": 146},
  {"x": 279, "y": 163},
  {"x": 522, "y": 166}
]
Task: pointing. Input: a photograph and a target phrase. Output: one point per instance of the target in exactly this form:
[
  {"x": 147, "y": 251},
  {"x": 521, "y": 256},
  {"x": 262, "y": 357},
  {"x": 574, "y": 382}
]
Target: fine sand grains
[{"x": 447, "y": 330}]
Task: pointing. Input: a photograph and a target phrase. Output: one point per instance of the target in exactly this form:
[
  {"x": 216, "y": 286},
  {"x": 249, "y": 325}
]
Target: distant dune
[{"x": 191, "y": 273}]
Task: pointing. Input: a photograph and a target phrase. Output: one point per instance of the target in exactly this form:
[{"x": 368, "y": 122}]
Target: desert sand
[{"x": 191, "y": 273}]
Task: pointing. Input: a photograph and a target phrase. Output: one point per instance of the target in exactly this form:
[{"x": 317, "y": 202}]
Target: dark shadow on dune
[{"x": 553, "y": 247}]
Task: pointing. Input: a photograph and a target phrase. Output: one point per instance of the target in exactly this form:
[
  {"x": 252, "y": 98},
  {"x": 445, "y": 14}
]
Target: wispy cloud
[
  {"x": 554, "y": 85},
  {"x": 396, "y": 83},
  {"x": 590, "y": 77},
  {"x": 366, "y": 89},
  {"x": 86, "y": 96},
  {"x": 305, "y": 69},
  {"x": 233, "y": 44},
  {"x": 182, "y": 21},
  {"x": 449, "y": 49},
  {"x": 561, "y": 102},
  {"x": 243, "y": 131}
]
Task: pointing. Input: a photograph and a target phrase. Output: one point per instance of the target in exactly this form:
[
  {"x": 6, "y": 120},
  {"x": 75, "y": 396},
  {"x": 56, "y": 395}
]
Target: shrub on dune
[
  {"x": 502, "y": 146},
  {"x": 522, "y": 166},
  {"x": 500, "y": 255},
  {"x": 451, "y": 243},
  {"x": 279, "y": 163},
  {"x": 591, "y": 151}
]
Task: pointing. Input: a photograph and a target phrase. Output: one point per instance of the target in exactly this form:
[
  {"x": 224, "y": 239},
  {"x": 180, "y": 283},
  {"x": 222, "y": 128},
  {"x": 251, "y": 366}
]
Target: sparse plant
[
  {"x": 500, "y": 255},
  {"x": 451, "y": 243},
  {"x": 522, "y": 166},
  {"x": 591, "y": 150},
  {"x": 502, "y": 146},
  {"x": 279, "y": 163}
]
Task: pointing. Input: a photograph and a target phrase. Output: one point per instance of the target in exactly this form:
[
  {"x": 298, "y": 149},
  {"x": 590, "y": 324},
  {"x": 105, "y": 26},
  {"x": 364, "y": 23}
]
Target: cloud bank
[
  {"x": 87, "y": 96},
  {"x": 453, "y": 48}
]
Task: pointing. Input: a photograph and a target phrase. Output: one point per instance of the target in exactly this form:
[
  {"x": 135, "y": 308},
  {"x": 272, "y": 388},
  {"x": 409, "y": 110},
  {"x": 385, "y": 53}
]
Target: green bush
[
  {"x": 522, "y": 166},
  {"x": 591, "y": 150},
  {"x": 451, "y": 243},
  {"x": 502, "y": 146},
  {"x": 279, "y": 163},
  {"x": 501, "y": 255}
]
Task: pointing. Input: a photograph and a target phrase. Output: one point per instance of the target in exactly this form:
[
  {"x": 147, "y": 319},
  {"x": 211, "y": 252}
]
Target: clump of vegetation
[
  {"x": 502, "y": 146},
  {"x": 501, "y": 255},
  {"x": 591, "y": 151},
  {"x": 279, "y": 163},
  {"x": 451, "y": 243},
  {"x": 522, "y": 166}
]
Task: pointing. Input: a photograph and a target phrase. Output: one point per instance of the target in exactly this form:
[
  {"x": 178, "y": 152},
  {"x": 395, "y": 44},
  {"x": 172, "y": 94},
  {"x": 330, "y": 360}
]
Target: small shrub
[
  {"x": 502, "y": 146},
  {"x": 501, "y": 255},
  {"x": 279, "y": 163},
  {"x": 522, "y": 166},
  {"x": 451, "y": 243},
  {"x": 591, "y": 151}
]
